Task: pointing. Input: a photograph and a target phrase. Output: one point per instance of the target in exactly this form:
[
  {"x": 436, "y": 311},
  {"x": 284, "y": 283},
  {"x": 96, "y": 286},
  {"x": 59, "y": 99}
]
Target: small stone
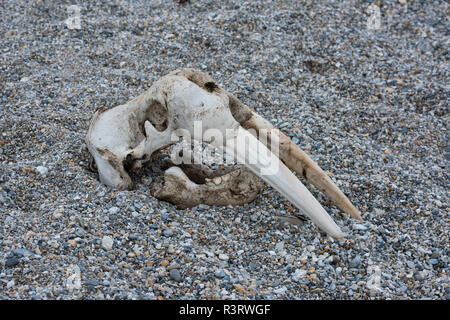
[
  {"x": 113, "y": 210},
  {"x": 298, "y": 274},
  {"x": 107, "y": 242},
  {"x": 80, "y": 232},
  {"x": 11, "y": 262},
  {"x": 133, "y": 236},
  {"x": 91, "y": 284},
  {"x": 253, "y": 266},
  {"x": 279, "y": 246},
  {"x": 379, "y": 212},
  {"x": 173, "y": 266},
  {"x": 419, "y": 276},
  {"x": 433, "y": 261},
  {"x": 355, "y": 262},
  {"x": 168, "y": 233},
  {"x": 171, "y": 250},
  {"x": 175, "y": 275},
  {"x": 239, "y": 288},
  {"x": 220, "y": 273},
  {"x": 22, "y": 252},
  {"x": 72, "y": 242},
  {"x": 359, "y": 227},
  {"x": 54, "y": 244},
  {"x": 135, "y": 214},
  {"x": 164, "y": 263},
  {"x": 58, "y": 213},
  {"x": 435, "y": 255},
  {"x": 10, "y": 284},
  {"x": 42, "y": 170},
  {"x": 281, "y": 290},
  {"x": 223, "y": 257}
]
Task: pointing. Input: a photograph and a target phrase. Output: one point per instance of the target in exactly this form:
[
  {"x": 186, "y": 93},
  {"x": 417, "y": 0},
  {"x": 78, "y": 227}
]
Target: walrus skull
[{"x": 124, "y": 137}]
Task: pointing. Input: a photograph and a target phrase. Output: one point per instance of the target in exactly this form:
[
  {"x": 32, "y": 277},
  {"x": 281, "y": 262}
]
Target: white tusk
[
  {"x": 297, "y": 160},
  {"x": 248, "y": 150}
]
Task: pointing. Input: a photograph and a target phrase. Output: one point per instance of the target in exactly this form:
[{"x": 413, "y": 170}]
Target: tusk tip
[
  {"x": 355, "y": 214},
  {"x": 338, "y": 236}
]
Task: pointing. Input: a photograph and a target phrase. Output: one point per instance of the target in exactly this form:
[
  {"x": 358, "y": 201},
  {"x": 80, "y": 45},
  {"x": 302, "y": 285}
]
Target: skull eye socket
[
  {"x": 157, "y": 115},
  {"x": 210, "y": 86},
  {"x": 128, "y": 162}
]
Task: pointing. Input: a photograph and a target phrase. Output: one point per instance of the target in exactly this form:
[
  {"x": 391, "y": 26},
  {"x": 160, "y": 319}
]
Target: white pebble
[
  {"x": 359, "y": 227},
  {"x": 42, "y": 170},
  {"x": 107, "y": 242},
  {"x": 223, "y": 257},
  {"x": 280, "y": 246},
  {"x": 113, "y": 210}
]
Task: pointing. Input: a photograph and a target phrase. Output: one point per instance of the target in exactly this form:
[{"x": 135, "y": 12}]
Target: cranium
[{"x": 124, "y": 137}]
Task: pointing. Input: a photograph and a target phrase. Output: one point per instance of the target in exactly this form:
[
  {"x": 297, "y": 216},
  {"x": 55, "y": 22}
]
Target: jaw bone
[
  {"x": 236, "y": 187},
  {"x": 132, "y": 132}
]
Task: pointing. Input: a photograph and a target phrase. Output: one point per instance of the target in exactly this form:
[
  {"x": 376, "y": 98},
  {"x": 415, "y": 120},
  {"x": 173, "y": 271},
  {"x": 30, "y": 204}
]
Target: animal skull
[{"x": 126, "y": 136}]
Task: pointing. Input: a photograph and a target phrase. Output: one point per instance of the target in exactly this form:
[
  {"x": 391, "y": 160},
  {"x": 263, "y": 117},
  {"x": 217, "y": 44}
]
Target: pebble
[
  {"x": 223, "y": 257},
  {"x": 42, "y": 170},
  {"x": 359, "y": 227},
  {"x": 57, "y": 213},
  {"x": 298, "y": 274},
  {"x": 11, "y": 262},
  {"x": 355, "y": 262},
  {"x": 171, "y": 250},
  {"x": 107, "y": 242},
  {"x": 175, "y": 274},
  {"x": 419, "y": 276},
  {"x": 433, "y": 261},
  {"x": 220, "y": 273},
  {"x": 281, "y": 290},
  {"x": 168, "y": 233},
  {"x": 10, "y": 284},
  {"x": 113, "y": 210},
  {"x": 22, "y": 252},
  {"x": 91, "y": 284}
]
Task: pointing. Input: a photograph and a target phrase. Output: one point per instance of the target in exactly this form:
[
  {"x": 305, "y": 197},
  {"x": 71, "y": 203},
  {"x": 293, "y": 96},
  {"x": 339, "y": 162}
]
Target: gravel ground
[{"x": 369, "y": 105}]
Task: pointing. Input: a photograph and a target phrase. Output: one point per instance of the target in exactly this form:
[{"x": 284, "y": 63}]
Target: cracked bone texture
[
  {"x": 369, "y": 106},
  {"x": 236, "y": 187},
  {"x": 130, "y": 130}
]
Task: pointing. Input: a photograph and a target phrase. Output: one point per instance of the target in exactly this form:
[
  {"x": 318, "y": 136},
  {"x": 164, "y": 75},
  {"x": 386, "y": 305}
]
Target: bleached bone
[
  {"x": 236, "y": 187},
  {"x": 127, "y": 135}
]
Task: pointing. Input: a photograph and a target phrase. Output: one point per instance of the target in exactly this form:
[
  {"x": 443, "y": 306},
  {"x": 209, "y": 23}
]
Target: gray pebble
[
  {"x": 22, "y": 252},
  {"x": 168, "y": 233},
  {"x": 175, "y": 274},
  {"x": 419, "y": 276},
  {"x": 220, "y": 273},
  {"x": 355, "y": 262},
  {"x": 11, "y": 262}
]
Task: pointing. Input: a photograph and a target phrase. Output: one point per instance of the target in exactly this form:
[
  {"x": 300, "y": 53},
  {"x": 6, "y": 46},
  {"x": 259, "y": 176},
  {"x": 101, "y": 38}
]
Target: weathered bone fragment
[
  {"x": 124, "y": 137},
  {"x": 236, "y": 187}
]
